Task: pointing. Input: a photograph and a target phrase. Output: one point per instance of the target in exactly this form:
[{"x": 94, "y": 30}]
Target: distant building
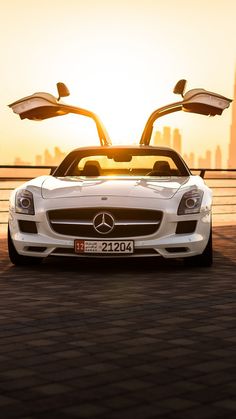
[
  {"x": 177, "y": 146},
  {"x": 232, "y": 144},
  {"x": 208, "y": 159},
  {"x": 167, "y": 136},
  {"x": 191, "y": 160},
  {"x": 58, "y": 156},
  {"x": 201, "y": 162},
  {"x": 163, "y": 139},
  {"x": 218, "y": 158},
  {"x": 47, "y": 158},
  {"x": 205, "y": 162},
  {"x": 157, "y": 139},
  {"x": 19, "y": 162},
  {"x": 38, "y": 160}
]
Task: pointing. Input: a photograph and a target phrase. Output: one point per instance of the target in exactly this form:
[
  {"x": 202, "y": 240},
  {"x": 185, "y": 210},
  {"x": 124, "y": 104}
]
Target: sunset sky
[{"x": 119, "y": 58}]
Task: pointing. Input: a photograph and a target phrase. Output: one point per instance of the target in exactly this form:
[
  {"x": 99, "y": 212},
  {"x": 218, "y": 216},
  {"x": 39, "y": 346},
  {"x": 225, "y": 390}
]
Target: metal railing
[
  {"x": 9, "y": 180},
  {"x": 221, "y": 181}
]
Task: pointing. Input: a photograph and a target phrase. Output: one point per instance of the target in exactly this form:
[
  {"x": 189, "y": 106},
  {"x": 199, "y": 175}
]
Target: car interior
[{"x": 103, "y": 165}]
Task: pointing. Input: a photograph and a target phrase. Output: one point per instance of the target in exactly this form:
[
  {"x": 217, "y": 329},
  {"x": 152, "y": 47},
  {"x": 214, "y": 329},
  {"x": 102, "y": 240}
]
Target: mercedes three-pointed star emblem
[{"x": 103, "y": 223}]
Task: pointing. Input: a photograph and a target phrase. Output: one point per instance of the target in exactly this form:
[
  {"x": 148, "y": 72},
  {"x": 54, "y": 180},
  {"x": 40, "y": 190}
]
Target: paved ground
[{"x": 119, "y": 341}]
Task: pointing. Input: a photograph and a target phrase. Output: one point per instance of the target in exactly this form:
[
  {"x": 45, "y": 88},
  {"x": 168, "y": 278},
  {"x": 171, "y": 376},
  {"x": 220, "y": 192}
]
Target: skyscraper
[
  {"x": 157, "y": 138},
  {"x": 218, "y": 158},
  {"x": 191, "y": 160},
  {"x": 177, "y": 140},
  {"x": 232, "y": 144},
  {"x": 167, "y": 136},
  {"x": 208, "y": 159}
]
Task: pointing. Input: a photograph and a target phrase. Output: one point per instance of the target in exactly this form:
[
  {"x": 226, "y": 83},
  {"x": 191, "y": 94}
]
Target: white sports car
[{"x": 114, "y": 201}]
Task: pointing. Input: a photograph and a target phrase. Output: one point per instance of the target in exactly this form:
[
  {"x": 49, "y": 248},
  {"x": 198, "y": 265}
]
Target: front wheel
[
  {"x": 205, "y": 259},
  {"x": 16, "y": 258}
]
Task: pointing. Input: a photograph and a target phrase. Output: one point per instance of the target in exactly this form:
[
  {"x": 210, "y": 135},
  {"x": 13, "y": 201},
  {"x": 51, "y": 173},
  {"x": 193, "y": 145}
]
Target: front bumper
[{"x": 165, "y": 242}]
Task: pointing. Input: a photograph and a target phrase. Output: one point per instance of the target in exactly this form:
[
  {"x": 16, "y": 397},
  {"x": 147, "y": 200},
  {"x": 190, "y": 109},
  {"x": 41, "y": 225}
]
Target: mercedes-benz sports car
[{"x": 114, "y": 201}]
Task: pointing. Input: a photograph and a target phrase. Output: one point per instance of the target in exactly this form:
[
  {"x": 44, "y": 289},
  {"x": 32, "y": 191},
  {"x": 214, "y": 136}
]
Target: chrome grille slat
[
  {"x": 118, "y": 223},
  {"x": 74, "y": 222}
]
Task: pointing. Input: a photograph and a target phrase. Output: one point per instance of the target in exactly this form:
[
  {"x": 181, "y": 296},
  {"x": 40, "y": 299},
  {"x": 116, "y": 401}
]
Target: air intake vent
[
  {"x": 27, "y": 226},
  {"x": 186, "y": 227},
  {"x": 176, "y": 249}
]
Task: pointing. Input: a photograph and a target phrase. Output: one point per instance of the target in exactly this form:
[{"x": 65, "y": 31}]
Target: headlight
[
  {"x": 190, "y": 202},
  {"x": 25, "y": 202}
]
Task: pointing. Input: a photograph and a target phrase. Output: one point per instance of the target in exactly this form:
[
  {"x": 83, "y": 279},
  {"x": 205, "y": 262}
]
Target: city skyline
[
  {"x": 173, "y": 138},
  {"x": 120, "y": 64},
  {"x": 232, "y": 143},
  {"x": 166, "y": 138}
]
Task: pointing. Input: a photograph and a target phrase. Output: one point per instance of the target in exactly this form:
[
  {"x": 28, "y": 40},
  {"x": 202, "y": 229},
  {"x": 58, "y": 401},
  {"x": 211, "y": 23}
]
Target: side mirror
[
  {"x": 203, "y": 102},
  {"x": 63, "y": 90},
  {"x": 180, "y": 87}
]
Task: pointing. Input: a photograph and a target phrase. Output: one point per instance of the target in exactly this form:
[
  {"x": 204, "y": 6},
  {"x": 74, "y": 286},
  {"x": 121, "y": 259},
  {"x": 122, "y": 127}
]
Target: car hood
[{"x": 71, "y": 187}]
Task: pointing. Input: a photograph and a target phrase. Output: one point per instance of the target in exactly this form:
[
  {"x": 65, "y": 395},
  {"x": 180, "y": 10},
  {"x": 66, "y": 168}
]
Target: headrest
[
  {"x": 91, "y": 168},
  {"x": 161, "y": 166}
]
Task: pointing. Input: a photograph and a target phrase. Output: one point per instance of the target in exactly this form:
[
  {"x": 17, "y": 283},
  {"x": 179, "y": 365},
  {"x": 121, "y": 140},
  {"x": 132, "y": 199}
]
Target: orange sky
[{"x": 120, "y": 58}]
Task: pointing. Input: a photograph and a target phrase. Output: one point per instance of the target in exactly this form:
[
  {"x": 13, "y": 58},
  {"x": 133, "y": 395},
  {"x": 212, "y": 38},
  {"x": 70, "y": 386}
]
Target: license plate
[{"x": 104, "y": 246}]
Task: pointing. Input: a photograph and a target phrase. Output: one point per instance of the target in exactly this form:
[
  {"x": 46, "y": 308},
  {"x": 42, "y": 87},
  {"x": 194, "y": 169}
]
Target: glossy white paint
[{"x": 153, "y": 193}]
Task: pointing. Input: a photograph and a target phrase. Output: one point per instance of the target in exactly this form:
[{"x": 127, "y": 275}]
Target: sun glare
[{"x": 119, "y": 59}]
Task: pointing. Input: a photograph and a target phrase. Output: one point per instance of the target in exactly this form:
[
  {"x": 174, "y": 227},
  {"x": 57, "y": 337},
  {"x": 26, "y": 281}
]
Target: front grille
[{"x": 128, "y": 222}]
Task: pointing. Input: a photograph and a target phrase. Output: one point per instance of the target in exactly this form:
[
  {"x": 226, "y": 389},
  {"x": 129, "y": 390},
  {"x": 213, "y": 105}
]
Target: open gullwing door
[
  {"x": 43, "y": 105},
  {"x": 198, "y": 101}
]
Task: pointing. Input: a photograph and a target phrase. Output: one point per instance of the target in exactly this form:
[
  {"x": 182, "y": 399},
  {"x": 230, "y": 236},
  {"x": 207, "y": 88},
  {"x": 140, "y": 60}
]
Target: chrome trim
[
  {"x": 120, "y": 223},
  {"x": 72, "y": 222}
]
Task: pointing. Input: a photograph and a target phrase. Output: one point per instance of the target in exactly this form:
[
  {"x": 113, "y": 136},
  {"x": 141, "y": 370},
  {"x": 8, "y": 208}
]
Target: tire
[
  {"x": 203, "y": 260},
  {"x": 16, "y": 258}
]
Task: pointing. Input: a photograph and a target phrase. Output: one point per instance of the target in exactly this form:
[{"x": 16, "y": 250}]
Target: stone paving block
[
  {"x": 86, "y": 411},
  {"x": 133, "y": 384},
  {"x": 137, "y": 339},
  {"x": 147, "y": 411},
  {"x": 14, "y": 410},
  {"x": 177, "y": 403},
  {"x": 212, "y": 366},
  {"x": 227, "y": 404},
  {"x": 120, "y": 402},
  {"x": 204, "y": 412},
  {"x": 4, "y": 401},
  {"x": 17, "y": 373}
]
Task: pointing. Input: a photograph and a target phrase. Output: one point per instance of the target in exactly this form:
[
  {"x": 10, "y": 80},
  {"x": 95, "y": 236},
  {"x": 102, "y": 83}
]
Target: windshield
[{"x": 123, "y": 162}]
